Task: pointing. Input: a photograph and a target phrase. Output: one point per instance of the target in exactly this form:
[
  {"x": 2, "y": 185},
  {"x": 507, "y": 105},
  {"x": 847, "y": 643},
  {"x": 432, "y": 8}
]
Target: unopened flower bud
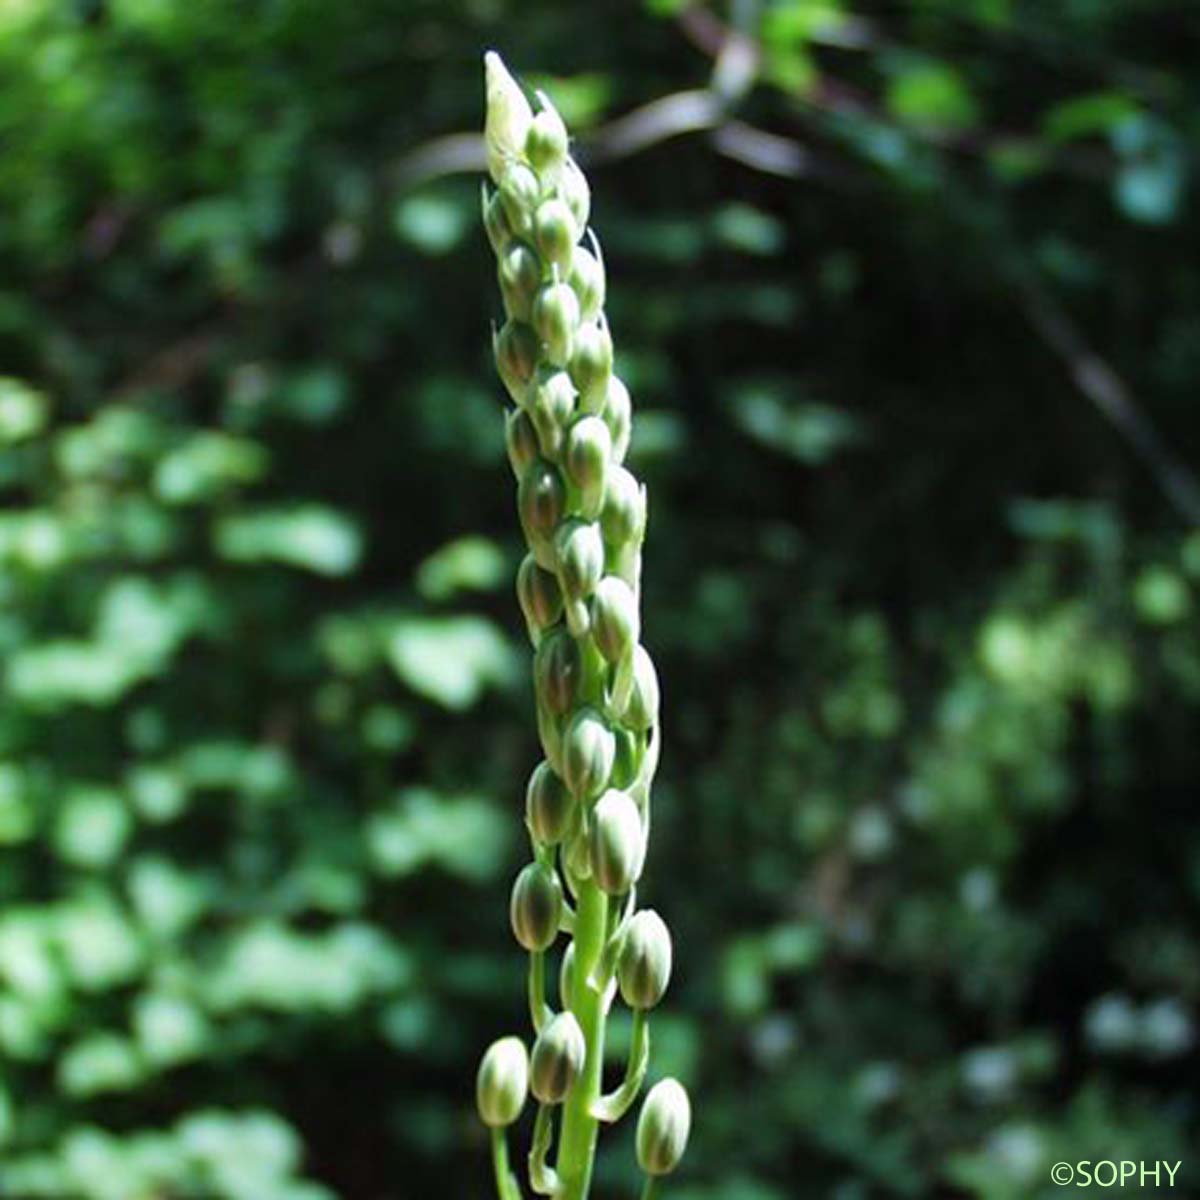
[
  {"x": 541, "y": 503},
  {"x": 555, "y": 232},
  {"x": 516, "y": 349},
  {"x": 615, "y": 620},
  {"x": 509, "y": 116},
  {"x": 557, "y": 672},
  {"x": 574, "y": 189},
  {"x": 618, "y": 843},
  {"x": 539, "y": 595},
  {"x": 558, "y": 1057},
  {"x": 551, "y": 404},
  {"x": 546, "y": 140},
  {"x": 536, "y": 907},
  {"x": 642, "y": 711},
  {"x": 580, "y": 551},
  {"x": 618, "y": 416},
  {"x": 591, "y": 365},
  {"x": 502, "y": 1083},
  {"x": 663, "y": 1128},
  {"x": 548, "y": 805},
  {"x": 587, "y": 278},
  {"x": 520, "y": 192},
  {"x": 555, "y": 318},
  {"x": 521, "y": 441},
  {"x": 623, "y": 516},
  {"x": 589, "y": 450},
  {"x": 495, "y": 221},
  {"x": 644, "y": 964},
  {"x": 588, "y": 749},
  {"x": 520, "y": 275}
]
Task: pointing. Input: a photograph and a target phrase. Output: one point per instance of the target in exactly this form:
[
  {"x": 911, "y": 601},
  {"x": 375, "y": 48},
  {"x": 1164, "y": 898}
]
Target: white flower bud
[
  {"x": 520, "y": 275},
  {"x": 546, "y": 141},
  {"x": 520, "y": 192},
  {"x": 548, "y": 805},
  {"x": 591, "y": 365},
  {"x": 554, "y": 232},
  {"x": 618, "y": 416},
  {"x": 615, "y": 619},
  {"x": 557, "y": 672},
  {"x": 589, "y": 451},
  {"x": 555, "y": 318},
  {"x": 558, "y": 1057},
  {"x": 535, "y": 908},
  {"x": 588, "y": 750},
  {"x": 642, "y": 711},
  {"x": 502, "y": 1083},
  {"x": 573, "y": 187},
  {"x": 539, "y": 595},
  {"x": 623, "y": 517},
  {"x": 521, "y": 441},
  {"x": 618, "y": 843},
  {"x": 587, "y": 278},
  {"x": 508, "y": 115},
  {"x": 663, "y": 1128},
  {"x": 644, "y": 964}
]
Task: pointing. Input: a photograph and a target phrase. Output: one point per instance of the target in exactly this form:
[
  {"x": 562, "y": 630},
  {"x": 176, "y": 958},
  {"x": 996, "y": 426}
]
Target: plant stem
[
  {"x": 650, "y": 1191},
  {"x": 577, "y": 1142},
  {"x": 506, "y": 1184}
]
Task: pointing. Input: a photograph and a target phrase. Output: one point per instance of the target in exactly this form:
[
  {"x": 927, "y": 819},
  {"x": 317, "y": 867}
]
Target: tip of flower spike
[{"x": 508, "y": 114}]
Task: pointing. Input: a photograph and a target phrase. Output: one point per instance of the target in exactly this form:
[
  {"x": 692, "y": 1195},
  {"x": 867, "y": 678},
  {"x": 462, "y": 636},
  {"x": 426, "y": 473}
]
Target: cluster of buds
[{"x": 587, "y": 804}]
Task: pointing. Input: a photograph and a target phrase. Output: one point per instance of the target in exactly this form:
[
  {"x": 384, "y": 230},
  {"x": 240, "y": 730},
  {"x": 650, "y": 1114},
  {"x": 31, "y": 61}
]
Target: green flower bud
[
  {"x": 502, "y": 1082},
  {"x": 588, "y": 750},
  {"x": 521, "y": 440},
  {"x": 589, "y": 449},
  {"x": 495, "y": 220},
  {"x": 551, "y": 404},
  {"x": 591, "y": 365},
  {"x": 580, "y": 551},
  {"x": 575, "y": 191},
  {"x": 539, "y": 595},
  {"x": 566, "y": 976},
  {"x": 554, "y": 232},
  {"x": 520, "y": 192},
  {"x": 618, "y": 416},
  {"x": 536, "y": 907},
  {"x": 546, "y": 141},
  {"x": 623, "y": 516},
  {"x": 509, "y": 117},
  {"x": 555, "y": 318},
  {"x": 558, "y": 1057},
  {"x": 642, "y": 711},
  {"x": 520, "y": 275},
  {"x": 541, "y": 502},
  {"x": 587, "y": 278},
  {"x": 516, "y": 350},
  {"x": 615, "y": 619},
  {"x": 618, "y": 843},
  {"x": 663, "y": 1128},
  {"x": 557, "y": 672},
  {"x": 644, "y": 964},
  {"x": 628, "y": 759},
  {"x": 548, "y": 805}
]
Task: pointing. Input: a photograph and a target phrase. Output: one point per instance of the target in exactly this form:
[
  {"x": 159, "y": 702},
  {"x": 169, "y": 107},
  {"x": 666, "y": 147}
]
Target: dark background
[{"x": 908, "y": 297}]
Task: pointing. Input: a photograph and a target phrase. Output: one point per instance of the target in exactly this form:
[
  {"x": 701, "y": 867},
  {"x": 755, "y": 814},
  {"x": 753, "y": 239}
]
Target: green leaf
[
  {"x": 932, "y": 95},
  {"x": 23, "y": 411},
  {"x": 464, "y": 835},
  {"x": 1087, "y": 116},
  {"x": 450, "y": 660},
  {"x": 469, "y": 563},
  {"x": 435, "y": 222},
  {"x": 810, "y": 432},
  {"x": 311, "y": 537}
]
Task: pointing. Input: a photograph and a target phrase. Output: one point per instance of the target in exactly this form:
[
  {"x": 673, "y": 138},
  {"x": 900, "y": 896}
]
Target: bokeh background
[{"x": 908, "y": 296}]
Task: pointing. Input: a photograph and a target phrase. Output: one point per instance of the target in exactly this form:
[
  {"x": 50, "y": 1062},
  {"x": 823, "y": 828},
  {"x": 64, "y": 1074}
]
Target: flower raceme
[{"x": 587, "y": 803}]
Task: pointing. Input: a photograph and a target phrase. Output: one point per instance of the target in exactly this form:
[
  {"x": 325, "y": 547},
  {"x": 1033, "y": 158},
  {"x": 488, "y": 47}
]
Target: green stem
[
  {"x": 507, "y": 1187},
  {"x": 539, "y": 1010},
  {"x": 615, "y": 1105},
  {"x": 650, "y": 1191},
  {"x": 577, "y": 1142},
  {"x": 542, "y": 1178}
]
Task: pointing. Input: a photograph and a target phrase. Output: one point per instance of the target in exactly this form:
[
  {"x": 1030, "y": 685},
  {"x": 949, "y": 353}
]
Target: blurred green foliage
[{"x": 926, "y": 623}]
